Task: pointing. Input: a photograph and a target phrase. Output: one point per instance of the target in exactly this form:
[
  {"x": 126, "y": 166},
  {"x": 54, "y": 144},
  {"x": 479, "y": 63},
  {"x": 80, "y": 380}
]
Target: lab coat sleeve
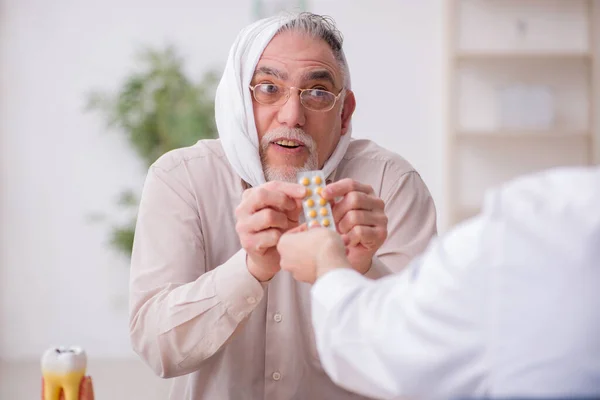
[{"x": 418, "y": 333}]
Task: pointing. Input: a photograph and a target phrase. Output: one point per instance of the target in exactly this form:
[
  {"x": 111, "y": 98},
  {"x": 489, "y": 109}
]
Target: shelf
[
  {"x": 522, "y": 135},
  {"x": 522, "y": 55},
  {"x": 522, "y": 95}
]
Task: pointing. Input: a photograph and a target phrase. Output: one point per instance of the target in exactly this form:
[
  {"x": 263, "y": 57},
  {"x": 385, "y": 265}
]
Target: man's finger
[
  {"x": 360, "y": 217},
  {"x": 346, "y": 241},
  {"x": 294, "y": 190},
  {"x": 294, "y": 215},
  {"x": 356, "y": 201},
  {"x": 264, "y": 219},
  {"x": 264, "y": 240},
  {"x": 368, "y": 236},
  {"x": 343, "y": 187},
  {"x": 283, "y": 196},
  {"x": 262, "y": 198}
]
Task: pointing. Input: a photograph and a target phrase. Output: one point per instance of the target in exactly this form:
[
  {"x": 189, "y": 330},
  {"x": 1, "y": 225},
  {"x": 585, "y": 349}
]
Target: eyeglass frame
[{"x": 336, "y": 98}]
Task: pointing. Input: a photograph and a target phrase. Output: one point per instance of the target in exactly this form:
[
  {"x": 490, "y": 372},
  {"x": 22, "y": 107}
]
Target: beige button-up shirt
[{"x": 198, "y": 316}]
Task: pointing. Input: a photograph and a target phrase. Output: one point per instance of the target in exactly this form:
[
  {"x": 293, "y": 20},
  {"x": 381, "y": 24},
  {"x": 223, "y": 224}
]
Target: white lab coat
[{"x": 505, "y": 305}]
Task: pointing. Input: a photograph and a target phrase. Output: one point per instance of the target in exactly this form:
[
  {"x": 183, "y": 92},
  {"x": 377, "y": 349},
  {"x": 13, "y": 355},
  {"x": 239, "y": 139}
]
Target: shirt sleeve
[
  {"x": 180, "y": 313},
  {"x": 418, "y": 333},
  {"x": 412, "y": 223}
]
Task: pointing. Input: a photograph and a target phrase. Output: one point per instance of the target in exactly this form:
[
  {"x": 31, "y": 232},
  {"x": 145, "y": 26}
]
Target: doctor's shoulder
[
  {"x": 551, "y": 189},
  {"x": 548, "y": 202}
]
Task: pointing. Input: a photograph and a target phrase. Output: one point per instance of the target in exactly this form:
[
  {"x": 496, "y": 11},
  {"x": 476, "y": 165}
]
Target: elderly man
[
  {"x": 209, "y": 305},
  {"x": 505, "y": 306}
]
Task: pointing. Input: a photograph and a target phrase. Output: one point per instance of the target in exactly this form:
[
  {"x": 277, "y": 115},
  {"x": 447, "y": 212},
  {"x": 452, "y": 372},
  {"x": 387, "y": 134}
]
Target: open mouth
[{"x": 288, "y": 144}]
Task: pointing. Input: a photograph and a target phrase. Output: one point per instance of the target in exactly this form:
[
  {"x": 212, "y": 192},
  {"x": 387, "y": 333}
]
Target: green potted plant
[{"x": 158, "y": 108}]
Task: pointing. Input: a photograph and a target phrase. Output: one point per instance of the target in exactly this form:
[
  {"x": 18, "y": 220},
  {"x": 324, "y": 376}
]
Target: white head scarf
[{"x": 234, "y": 114}]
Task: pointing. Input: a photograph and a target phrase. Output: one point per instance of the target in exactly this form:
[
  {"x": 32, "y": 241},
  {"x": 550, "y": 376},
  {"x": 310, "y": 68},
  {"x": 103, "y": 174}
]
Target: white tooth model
[{"x": 63, "y": 369}]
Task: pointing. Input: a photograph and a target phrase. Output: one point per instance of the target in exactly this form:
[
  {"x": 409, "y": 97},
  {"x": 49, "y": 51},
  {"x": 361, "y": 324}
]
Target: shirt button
[
  {"x": 251, "y": 300},
  {"x": 276, "y": 376},
  {"x": 277, "y": 317}
]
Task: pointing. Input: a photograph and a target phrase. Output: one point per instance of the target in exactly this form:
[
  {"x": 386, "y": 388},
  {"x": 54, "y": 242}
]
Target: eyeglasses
[{"x": 271, "y": 94}]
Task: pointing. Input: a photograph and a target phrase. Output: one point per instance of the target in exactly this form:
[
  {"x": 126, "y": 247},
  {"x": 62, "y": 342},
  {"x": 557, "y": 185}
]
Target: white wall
[
  {"x": 395, "y": 52},
  {"x": 57, "y": 164}
]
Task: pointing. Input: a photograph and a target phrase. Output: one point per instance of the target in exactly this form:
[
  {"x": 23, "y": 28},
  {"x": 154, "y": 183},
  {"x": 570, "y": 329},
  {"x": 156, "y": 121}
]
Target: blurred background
[{"x": 471, "y": 92}]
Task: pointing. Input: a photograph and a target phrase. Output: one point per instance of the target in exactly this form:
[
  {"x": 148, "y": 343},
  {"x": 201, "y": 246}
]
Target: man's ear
[{"x": 347, "y": 110}]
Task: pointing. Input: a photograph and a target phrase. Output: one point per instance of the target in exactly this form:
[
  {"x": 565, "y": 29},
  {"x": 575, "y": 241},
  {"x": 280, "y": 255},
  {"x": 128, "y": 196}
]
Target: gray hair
[{"x": 321, "y": 27}]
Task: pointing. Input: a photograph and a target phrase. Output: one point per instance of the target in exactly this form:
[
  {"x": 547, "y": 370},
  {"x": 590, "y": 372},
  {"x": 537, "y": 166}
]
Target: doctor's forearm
[{"x": 353, "y": 332}]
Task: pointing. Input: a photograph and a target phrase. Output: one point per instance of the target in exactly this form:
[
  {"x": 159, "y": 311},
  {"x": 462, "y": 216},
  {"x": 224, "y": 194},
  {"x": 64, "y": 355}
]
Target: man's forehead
[
  {"x": 292, "y": 50},
  {"x": 311, "y": 74},
  {"x": 296, "y": 46}
]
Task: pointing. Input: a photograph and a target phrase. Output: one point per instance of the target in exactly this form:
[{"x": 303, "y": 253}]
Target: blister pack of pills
[{"x": 317, "y": 210}]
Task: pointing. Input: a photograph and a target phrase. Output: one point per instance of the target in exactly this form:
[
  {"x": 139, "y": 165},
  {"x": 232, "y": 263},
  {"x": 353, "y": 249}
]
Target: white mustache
[{"x": 295, "y": 134}]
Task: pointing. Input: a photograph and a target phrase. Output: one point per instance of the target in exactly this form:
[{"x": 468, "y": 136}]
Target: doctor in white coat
[{"x": 505, "y": 305}]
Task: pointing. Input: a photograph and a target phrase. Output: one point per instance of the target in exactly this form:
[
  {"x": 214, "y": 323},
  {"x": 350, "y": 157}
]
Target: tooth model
[{"x": 63, "y": 369}]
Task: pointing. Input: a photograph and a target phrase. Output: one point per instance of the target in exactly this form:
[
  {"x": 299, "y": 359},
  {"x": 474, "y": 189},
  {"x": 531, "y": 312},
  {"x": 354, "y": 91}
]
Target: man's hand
[
  {"x": 265, "y": 213},
  {"x": 309, "y": 254},
  {"x": 86, "y": 390},
  {"x": 360, "y": 219}
]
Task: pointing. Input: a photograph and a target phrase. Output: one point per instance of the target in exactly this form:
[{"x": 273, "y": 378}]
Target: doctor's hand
[
  {"x": 310, "y": 253},
  {"x": 359, "y": 218},
  {"x": 86, "y": 390},
  {"x": 264, "y": 214}
]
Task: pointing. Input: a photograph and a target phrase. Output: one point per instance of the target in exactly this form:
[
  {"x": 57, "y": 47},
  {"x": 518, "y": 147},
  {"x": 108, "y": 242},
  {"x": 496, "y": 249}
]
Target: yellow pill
[
  {"x": 325, "y": 222},
  {"x": 305, "y": 181},
  {"x": 319, "y": 190},
  {"x": 313, "y": 224},
  {"x": 308, "y": 192},
  {"x": 323, "y": 211},
  {"x": 317, "y": 180},
  {"x": 310, "y": 203},
  {"x": 322, "y": 201},
  {"x": 312, "y": 214}
]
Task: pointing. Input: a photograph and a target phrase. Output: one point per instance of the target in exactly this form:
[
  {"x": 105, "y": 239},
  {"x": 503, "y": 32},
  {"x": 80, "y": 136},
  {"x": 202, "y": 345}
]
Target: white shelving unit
[{"x": 523, "y": 93}]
